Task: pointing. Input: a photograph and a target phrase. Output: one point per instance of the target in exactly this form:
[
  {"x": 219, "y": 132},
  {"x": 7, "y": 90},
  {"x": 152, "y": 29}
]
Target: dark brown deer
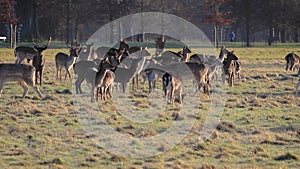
[
  {"x": 38, "y": 61},
  {"x": 24, "y": 74},
  {"x": 292, "y": 61},
  {"x": 298, "y": 84},
  {"x": 159, "y": 46},
  {"x": 66, "y": 61},
  {"x": 231, "y": 66}
]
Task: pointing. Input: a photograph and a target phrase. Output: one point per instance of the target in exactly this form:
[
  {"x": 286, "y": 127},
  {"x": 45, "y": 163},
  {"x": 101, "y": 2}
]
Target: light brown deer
[
  {"x": 96, "y": 77},
  {"x": 67, "y": 61},
  {"x": 26, "y": 52},
  {"x": 24, "y": 74},
  {"x": 171, "y": 86}
]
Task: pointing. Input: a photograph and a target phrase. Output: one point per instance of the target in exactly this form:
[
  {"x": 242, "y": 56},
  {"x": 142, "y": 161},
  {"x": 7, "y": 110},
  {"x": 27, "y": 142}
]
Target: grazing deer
[
  {"x": 80, "y": 70},
  {"x": 67, "y": 61},
  {"x": 26, "y": 52},
  {"x": 22, "y": 52},
  {"x": 187, "y": 70},
  {"x": 292, "y": 61},
  {"x": 24, "y": 74},
  {"x": 171, "y": 86}
]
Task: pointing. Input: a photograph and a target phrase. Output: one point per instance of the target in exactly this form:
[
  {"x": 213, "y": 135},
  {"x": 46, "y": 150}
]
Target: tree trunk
[
  {"x": 270, "y": 36},
  {"x": 296, "y": 36},
  {"x": 13, "y": 36},
  {"x": 216, "y": 35},
  {"x": 282, "y": 36},
  {"x": 247, "y": 33}
]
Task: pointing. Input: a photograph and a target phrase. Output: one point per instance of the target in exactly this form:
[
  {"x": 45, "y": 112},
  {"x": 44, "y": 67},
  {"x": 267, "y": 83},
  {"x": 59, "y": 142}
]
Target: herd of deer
[{"x": 104, "y": 66}]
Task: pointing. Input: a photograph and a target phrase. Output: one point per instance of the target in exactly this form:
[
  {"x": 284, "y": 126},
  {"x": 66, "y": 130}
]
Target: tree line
[{"x": 251, "y": 20}]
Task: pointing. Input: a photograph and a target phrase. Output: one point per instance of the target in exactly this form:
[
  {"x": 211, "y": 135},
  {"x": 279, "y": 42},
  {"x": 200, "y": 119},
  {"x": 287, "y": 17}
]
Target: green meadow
[{"x": 259, "y": 127}]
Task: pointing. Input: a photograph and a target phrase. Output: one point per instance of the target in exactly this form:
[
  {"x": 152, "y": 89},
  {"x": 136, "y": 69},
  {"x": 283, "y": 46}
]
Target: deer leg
[
  {"x": 25, "y": 88},
  {"x": 137, "y": 81},
  {"x": 133, "y": 83},
  {"x": 1, "y": 88},
  {"x": 297, "y": 87},
  {"x": 41, "y": 75},
  {"x": 36, "y": 89},
  {"x": 78, "y": 82},
  {"x": 93, "y": 94},
  {"x": 166, "y": 95},
  {"x": 150, "y": 86},
  {"x": 172, "y": 95},
  {"x": 123, "y": 87},
  {"x": 180, "y": 95}
]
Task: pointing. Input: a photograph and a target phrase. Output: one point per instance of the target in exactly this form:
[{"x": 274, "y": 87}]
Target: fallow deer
[
  {"x": 26, "y": 52},
  {"x": 298, "y": 84},
  {"x": 67, "y": 61},
  {"x": 169, "y": 57},
  {"x": 86, "y": 55},
  {"x": 81, "y": 66},
  {"x": 171, "y": 86},
  {"x": 38, "y": 63},
  {"x": 95, "y": 77},
  {"x": 24, "y": 74},
  {"x": 292, "y": 61},
  {"x": 232, "y": 66},
  {"x": 125, "y": 75}
]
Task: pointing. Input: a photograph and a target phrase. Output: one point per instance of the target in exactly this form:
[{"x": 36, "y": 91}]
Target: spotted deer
[
  {"x": 171, "y": 86},
  {"x": 26, "y": 52},
  {"x": 66, "y": 61},
  {"x": 24, "y": 74}
]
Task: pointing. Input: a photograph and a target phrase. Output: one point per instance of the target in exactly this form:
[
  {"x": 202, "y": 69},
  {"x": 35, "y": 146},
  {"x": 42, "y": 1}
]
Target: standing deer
[
  {"x": 87, "y": 54},
  {"x": 24, "y": 74},
  {"x": 96, "y": 77},
  {"x": 292, "y": 61},
  {"x": 125, "y": 75},
  {"x": 26, "y": 52},
  {"x": 38, "y": 61},
  {"x": 171, "y": 86},
  {"x": 67, "y": 61},
  {"x": 169, "y": 57},
  {"x": 231, "y": 66},
  {"x": 298, "y": 84}
]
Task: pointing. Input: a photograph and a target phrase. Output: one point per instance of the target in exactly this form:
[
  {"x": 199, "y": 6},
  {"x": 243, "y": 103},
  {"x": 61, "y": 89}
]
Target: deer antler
[{"x": 49, "y": 41}]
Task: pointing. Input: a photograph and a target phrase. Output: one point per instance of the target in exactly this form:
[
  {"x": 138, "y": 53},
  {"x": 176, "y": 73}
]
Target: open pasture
[{"x": 259, "y": 128}]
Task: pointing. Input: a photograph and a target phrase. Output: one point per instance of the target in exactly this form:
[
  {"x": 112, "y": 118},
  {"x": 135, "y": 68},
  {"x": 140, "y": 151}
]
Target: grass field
[{"x": 259, "y": 128}]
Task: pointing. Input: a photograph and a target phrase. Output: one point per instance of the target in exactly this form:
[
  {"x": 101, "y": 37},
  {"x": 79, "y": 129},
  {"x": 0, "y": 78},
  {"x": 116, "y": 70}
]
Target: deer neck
[{"x": 222, "y": 55}]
